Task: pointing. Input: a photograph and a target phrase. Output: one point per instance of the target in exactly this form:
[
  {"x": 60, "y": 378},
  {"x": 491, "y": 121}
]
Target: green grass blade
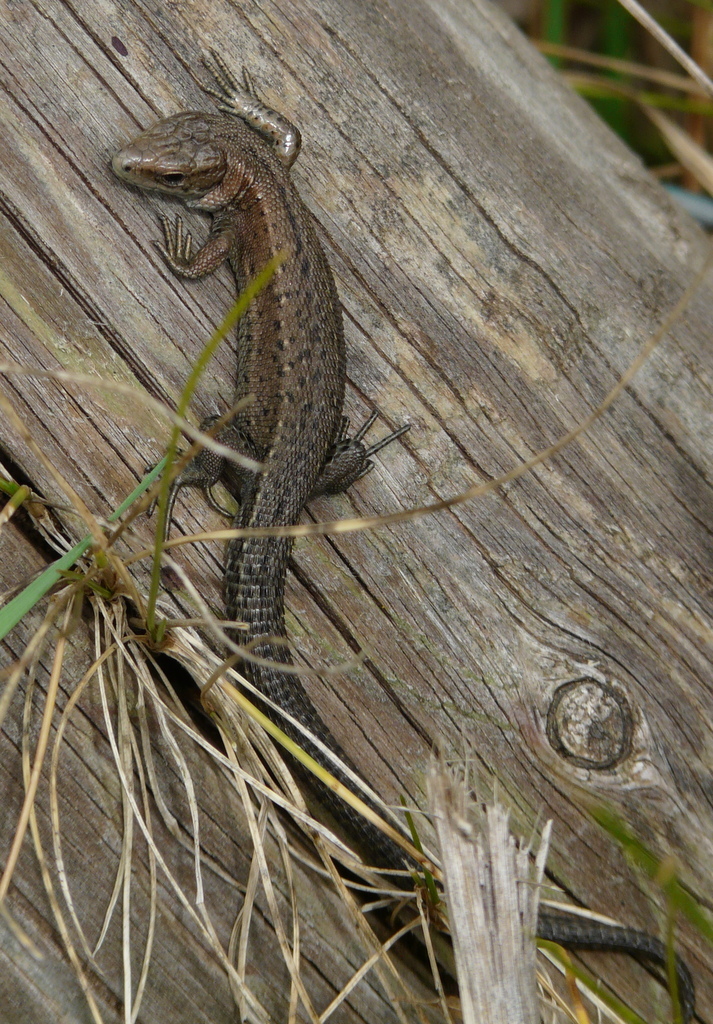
[
  {"x": 244, "y": 299},
  {"x": 14, "y": 610}
]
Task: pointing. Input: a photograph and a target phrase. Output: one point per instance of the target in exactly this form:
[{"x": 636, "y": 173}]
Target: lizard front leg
[{"x": 177, "y": 244}]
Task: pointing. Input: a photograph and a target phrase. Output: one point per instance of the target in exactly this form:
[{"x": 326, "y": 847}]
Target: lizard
[{"x": 234, "y": 164}]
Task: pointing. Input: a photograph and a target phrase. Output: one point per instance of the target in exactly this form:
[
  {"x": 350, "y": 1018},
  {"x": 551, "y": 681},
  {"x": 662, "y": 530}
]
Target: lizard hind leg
[
  {"x": 208, "y": 469},
  {"x": 242, "y": 100},
  {"x": 349, "y": 458}
]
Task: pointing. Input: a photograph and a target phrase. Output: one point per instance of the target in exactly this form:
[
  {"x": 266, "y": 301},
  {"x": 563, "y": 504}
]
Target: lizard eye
[{"x": 174, "y": 178}]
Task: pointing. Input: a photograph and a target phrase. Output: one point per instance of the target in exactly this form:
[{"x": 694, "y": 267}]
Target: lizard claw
[
  {"x": 223, "y": 76},
  {"x": 229, "y": 89},
  {"x": 176, "y": 246},
  {"x": 249, "y": 84}
]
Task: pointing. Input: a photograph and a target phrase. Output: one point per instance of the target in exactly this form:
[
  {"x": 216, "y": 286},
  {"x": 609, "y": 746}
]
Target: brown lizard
[{"x": 234, "y": 165}]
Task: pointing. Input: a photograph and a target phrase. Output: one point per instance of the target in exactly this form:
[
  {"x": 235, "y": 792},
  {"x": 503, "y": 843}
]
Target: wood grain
[{"x": 501, "y": 257}]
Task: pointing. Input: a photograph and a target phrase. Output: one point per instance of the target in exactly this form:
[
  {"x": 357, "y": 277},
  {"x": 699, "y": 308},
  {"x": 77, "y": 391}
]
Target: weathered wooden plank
[{"x": 500, "y": 258}]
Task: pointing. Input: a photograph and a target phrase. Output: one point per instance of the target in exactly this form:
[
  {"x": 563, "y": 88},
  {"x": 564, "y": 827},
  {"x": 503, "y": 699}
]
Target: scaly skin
[
  {"x": 234, "y": 165},
  {"x": 290, "y": 357}
]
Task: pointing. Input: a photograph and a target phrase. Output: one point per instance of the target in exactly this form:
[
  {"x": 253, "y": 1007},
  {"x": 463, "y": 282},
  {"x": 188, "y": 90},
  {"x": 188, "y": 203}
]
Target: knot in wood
[{"x": 590, "y": 724}]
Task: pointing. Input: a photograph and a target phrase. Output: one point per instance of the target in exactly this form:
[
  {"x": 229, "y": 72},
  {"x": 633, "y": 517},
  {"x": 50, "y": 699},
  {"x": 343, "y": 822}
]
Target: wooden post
[{"x": 501, "y": 257}]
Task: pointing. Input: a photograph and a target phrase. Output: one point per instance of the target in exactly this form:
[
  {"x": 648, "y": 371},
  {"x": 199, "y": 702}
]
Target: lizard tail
[
  {"x": 254, "y": 585},
  {"x": 255, "y": 576}
]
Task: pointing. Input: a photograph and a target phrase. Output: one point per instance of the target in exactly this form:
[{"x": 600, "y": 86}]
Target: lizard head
[{"x": 178, "y": 155}]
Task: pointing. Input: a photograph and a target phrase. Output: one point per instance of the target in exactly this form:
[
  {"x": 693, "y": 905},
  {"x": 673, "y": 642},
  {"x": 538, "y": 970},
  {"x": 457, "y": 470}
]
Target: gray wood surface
[{"x": 501, "y": 257}]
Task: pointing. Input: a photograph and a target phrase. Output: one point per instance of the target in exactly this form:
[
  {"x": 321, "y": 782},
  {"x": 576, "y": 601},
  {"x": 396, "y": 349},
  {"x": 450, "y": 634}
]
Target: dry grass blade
[
  {"x": 626, "y": 67},
  {"x": 433, "y": 961},
  {"x": 378, "y": 958},
  {"x": 161, "y": 410},
  {"x": 660, "y": 34},
  {"x": 367, "y": 966},
  {"x": 268, "y": 889},
  {"x": 39, "y": 849},
  {"x": 256, "y": 1012},
  {"x": 558, "y": 1006},
  {"x": 153, "y": 899},
  {"x": 240, "y": 936},
  {"x": 686, "y": 150},
  {"x": 20, "y": 935},
  {"x": 383, "y": 965},
  {"x": 54, "y": 808},
  {"x": 325, "y": 777},
  {"x": 294, "y": 909},
  {"x": 602, "y": 1001},
  {"x": 31, "y": 653},
  {"x": 34, "y": 777},
  {"x": 132, "y": 760}
]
